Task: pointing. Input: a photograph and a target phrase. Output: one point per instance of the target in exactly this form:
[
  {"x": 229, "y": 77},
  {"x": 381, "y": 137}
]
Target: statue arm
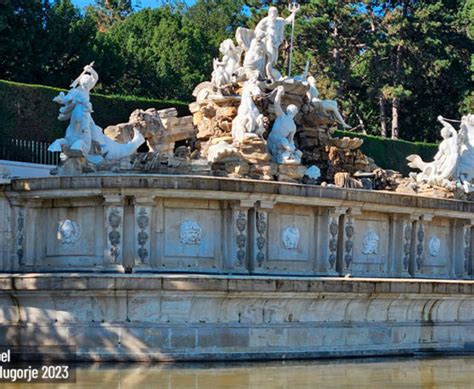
[
  {"x": 93, "y": 74},
  {"x": 290, "y": 18},
  {"x": 278, "y": 110},
  {"x": 262, "y": 25},
  {"x": 447, "y": 125}
]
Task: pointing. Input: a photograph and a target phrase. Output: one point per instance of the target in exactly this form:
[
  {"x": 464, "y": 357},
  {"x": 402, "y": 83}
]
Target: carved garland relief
[
  {"x": 348, "y": 244},
  {"x": 420, "y": 236},
  {"x": 241, "y": 239},
  {"x": 20, "y": 235},
  {"x": 143, "y": 222},
  {"x": 261, "y": 238},
  {"x": 333, "y": 232},
  {"x": 406, "y": 245},
  {"x": 115, "y": 220},
  {"x": 467, "y": 249}
]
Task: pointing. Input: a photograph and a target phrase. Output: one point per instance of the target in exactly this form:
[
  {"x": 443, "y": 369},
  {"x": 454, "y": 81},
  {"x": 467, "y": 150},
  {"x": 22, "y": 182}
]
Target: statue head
[
  {"x": 226, "y": 46},
  {"x": 468, "y": 120},
  {"x": 370, "y": 243},
  {"x": 68, "y": 231},
  {"x": 311, "y": 81},
  {"x": 273, "y": 12},
  {"x": 292, "y": 110},
  {"x": 445, "y": 134},
  {"x": 252, "y": 88},
  {"x": 190, "y": 233},
  {"x": 86, "y": 81}
]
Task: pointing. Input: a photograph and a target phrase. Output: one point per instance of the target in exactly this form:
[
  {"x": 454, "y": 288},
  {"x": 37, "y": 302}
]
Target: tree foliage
[{"x": 392, "y": 65}]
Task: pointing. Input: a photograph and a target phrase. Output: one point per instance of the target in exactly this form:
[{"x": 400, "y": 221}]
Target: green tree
[
  {"x": 163, "y": 54},
  {"x": 42, "y": 41},
  {"x": 21, "y": 34},
  {"x": 218, "y": 19},
  {"x": 107, "y": 12}
]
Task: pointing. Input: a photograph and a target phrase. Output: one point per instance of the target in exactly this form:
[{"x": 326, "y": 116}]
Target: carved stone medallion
[
  {"x": 370, "y": 243},
  {"x": 290, "y": 238},
  {"x": 434, "y": 246},
  {"x": 68, "y": 232},
  {"x": 190, "y": 233}
]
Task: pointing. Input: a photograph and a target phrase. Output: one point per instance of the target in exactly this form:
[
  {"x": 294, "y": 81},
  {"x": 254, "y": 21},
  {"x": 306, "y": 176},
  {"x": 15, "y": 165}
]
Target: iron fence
[{"x": 27, "y": 151}]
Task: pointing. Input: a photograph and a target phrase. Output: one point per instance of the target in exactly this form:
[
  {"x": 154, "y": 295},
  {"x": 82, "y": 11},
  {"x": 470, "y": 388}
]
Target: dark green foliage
[
  {"x": 28, "y": 112},
  {"x": 392, "y": 153},
  {"x": 44, "y": 42},
  {"x": 157, "y": 53},
  {"x": 393, "y": 66}
]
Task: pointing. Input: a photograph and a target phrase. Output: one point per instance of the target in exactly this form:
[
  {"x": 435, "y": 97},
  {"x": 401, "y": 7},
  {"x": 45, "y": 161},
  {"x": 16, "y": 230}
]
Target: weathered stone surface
[
  {"x": 236, "y": 317},
  {"x": 160, "y": 128}
]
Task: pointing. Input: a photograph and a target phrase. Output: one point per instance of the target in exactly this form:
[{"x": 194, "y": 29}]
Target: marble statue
[
  {"x": 445, "y": 166},
  {"x": 274, "y": 28},
  {"x": 83, "y": 138},
  {"x": 262, "y": 45},
  {"x": 219, "y": 77},
  {"x": 281, "y": 139},
  {"x": 466, "y": 161},
  {"x": 255, "y": 58},
  {"x": 221, "y": 150},
  {"x": 249, "y": 120},
  {"x": 327, "y": 106},
  {"x": 225, "y": 69}
]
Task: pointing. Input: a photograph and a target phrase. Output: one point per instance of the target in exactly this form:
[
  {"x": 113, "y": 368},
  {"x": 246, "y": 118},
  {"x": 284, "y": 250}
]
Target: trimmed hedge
[
  {"x": 391, "y": 154},
  {"x": 28, "y": 112}
]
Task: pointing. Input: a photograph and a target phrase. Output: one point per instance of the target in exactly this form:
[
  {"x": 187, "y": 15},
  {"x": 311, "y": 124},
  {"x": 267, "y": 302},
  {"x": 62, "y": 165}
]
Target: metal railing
[{"x": 27, "y": 151}]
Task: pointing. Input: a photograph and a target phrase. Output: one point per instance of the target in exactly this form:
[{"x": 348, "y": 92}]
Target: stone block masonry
[
  {"x": 203, "y": 317},
  {"x": 163, "y": 223}
]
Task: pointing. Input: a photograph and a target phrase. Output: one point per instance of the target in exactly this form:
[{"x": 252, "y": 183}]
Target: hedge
[
  {"x": 28, "y": 112},
  {"x": 390, "y": 153}
]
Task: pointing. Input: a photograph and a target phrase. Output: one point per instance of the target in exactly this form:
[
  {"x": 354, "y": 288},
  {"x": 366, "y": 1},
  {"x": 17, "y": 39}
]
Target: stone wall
[
  {"x": 217, "y": 225},
  {"x": 172, "y": 317},
  {"x": 6, "y": 235}
]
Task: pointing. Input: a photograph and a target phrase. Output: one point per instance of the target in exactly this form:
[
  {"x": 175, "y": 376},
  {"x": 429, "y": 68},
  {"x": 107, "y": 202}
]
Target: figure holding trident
[
  {"x": 293, "y": 7},
  {"x": 273, "y": 27}
]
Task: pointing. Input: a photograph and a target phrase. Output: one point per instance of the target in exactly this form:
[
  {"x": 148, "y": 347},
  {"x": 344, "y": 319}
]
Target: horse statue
[{"x": 83, "y": 137}]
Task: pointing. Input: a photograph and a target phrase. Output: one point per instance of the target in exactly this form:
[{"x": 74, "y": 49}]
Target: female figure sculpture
[{"x": 225, "y": 69}]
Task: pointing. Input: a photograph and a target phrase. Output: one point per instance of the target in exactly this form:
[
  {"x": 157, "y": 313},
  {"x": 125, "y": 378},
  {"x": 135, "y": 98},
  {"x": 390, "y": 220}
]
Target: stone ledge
[
  {"x": 182, "y": 182},
  {"x": 234, "y": 284}
]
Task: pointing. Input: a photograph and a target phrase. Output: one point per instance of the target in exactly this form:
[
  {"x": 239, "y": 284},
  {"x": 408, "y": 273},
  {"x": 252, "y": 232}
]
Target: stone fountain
[{"x": 217, "y": 244}]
